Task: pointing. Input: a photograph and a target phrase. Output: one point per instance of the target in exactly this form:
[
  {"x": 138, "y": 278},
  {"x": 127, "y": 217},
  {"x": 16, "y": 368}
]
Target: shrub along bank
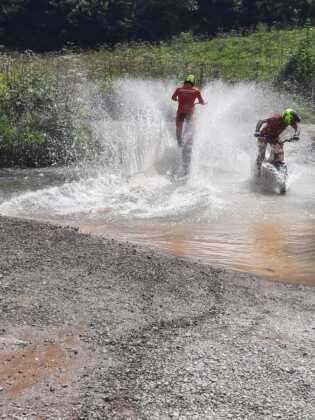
[
  {"x": 43, "y": 119},
  {"x": 39, "y": 111}
]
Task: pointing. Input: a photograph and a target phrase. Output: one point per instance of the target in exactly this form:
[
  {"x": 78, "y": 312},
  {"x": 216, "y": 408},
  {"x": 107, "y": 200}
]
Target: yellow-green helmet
[
  {"x": 290, "y": 116},
  {"x": 190, "y": 79}
]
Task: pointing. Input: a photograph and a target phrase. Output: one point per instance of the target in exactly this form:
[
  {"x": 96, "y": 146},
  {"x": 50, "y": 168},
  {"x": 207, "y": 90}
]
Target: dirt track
[{"x": 96, "y": 329}]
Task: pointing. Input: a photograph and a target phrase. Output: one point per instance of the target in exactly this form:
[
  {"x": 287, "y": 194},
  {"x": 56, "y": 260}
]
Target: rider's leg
[
  {"x": 262, "y": 146},
  {"x": 179, "y": 128},
  {"x": 281, "y": 155},
  {"x": 191, "y": 121},
  {"x": 276, "y": 153},
  {"x": 188, "y": 134}
]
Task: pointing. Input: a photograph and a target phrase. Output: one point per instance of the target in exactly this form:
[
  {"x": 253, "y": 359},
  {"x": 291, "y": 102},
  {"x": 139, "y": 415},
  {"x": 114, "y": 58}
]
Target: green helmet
[
  {"x": 290, "y": 116},
  {"x": 190, "y": 79}
]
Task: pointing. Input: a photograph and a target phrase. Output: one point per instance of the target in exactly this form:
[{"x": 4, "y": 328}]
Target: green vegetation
[
  {"x": 44, "y": 120},
  {"x": 41, "y": 119},
  {"x": 259, "y": 56},
  {"x": 299, "y": 70}
]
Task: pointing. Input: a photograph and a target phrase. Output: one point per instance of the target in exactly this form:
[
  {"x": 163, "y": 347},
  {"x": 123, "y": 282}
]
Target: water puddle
[{"x": 279, "y": 251}]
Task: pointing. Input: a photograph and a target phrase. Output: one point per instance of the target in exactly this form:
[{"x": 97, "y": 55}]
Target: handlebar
[
  {"x": 199, "y": 103},
  {"x": 291, "y": 139}
]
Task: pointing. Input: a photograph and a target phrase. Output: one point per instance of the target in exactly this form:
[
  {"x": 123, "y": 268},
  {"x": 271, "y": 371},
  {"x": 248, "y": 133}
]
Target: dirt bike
[
  {"x": 187, "y": 142},
  {"x": 274, "y": 171},
  {"x": 186, "y": 146}
]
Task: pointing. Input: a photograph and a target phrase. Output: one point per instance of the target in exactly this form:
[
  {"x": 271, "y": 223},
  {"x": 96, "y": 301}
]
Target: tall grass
[{"x": 258, "y": 56}]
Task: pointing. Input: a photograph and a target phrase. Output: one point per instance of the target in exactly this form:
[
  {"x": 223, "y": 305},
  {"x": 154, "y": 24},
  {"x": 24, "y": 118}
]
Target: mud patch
[{"x": 34, "y": 357}]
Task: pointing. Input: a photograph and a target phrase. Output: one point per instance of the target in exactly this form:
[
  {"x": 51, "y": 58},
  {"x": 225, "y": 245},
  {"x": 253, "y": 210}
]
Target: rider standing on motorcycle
[
  {"x": 270, "y": 133},
  {"x": 186, "y": 97}
]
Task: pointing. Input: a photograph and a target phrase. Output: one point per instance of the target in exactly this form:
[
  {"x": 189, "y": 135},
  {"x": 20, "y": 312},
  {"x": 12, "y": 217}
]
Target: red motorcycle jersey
[
  {"x": 274, "y": 127},
  {"x": 186, "y": 97}
]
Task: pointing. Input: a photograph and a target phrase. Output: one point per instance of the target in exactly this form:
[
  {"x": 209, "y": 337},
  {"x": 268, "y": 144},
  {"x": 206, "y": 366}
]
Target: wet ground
[{"x": 279, "y": 251}]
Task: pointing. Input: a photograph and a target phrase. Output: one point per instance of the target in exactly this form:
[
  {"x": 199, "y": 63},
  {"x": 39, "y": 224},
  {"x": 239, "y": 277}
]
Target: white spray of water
[{"x": 137, "y": 129}]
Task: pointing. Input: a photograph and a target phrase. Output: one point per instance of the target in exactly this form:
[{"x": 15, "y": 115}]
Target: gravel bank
[{"x": 96, "y": 329}]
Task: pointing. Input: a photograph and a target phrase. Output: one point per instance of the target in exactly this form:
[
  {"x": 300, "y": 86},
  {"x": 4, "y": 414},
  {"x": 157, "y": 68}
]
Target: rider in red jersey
[
  {"x": 186, "y": 97},
  {"x": 271, "y": 131}
]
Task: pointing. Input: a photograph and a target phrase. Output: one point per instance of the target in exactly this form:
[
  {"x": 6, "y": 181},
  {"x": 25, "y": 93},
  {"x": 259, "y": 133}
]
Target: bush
[
  {"x": 299, "y": 70},
  {"x": 41, "y": 119}
]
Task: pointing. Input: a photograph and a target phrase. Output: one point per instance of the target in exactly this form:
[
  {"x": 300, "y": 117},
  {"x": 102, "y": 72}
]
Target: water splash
[{"x": 131, "y": 176}]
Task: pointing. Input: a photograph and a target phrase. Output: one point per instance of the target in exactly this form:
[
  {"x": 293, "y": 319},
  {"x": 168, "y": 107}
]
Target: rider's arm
[
  {"x": 200, "y": 98},
  {"x": 260, "y": 124},
  {"x": 175, "y": 95},
  {"x": 297, "y": 129}
]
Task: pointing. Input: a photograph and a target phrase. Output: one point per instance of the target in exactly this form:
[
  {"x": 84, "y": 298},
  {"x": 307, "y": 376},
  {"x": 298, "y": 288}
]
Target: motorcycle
[
  {"x": 274, "y": 171},
  {"x": 187, "y": 143}
]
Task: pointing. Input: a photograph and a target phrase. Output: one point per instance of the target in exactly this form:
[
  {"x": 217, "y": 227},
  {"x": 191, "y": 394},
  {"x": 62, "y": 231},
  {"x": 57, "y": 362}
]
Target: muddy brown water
[
  {"x": 281, "y": 251},
  {"x": 269, "y": 235}
]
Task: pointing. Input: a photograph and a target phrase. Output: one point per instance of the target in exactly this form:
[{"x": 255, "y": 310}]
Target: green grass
[{"x": 259, "y": 56}]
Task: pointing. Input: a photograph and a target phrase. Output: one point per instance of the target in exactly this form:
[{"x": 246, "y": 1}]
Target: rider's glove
[{"x": 257, "y": 134}]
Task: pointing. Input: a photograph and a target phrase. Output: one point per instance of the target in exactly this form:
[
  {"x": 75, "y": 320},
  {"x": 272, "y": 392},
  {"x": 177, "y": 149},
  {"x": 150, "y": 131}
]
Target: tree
[
  {"x": 214, "y": 15},
  {"x": 156, "y": 19},
  {"x": 34, "y": 24},
  {"x": 51, "y": 24}
]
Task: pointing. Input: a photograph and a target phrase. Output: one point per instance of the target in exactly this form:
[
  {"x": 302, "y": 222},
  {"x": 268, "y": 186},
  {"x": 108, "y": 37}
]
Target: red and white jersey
[
  {"x": 186, "y": 97},
  {"x": 274, "y": 127}
]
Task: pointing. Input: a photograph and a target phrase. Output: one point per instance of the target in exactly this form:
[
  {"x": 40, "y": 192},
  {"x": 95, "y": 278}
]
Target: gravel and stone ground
[{"x": 96, "y": 329}]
